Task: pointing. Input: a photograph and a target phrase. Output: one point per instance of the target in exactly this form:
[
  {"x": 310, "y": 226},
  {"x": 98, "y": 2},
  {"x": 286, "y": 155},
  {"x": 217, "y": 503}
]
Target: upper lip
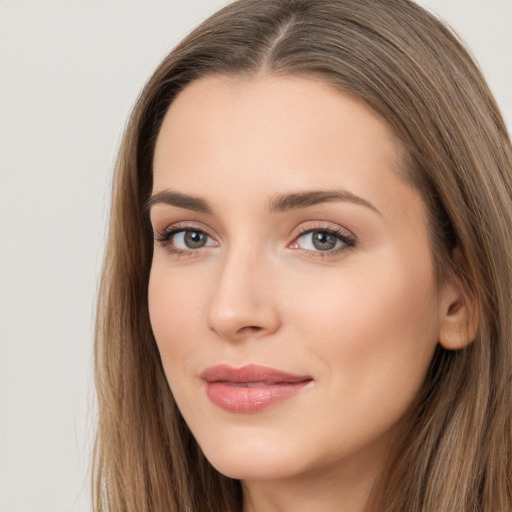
[{"x": 250, "y": 373}]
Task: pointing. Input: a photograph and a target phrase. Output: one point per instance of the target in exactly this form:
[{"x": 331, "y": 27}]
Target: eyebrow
[
  {"x": 177, "y": 199},
  {"x": 296, "y": 200},
  {"x": 277, "y": 204}
]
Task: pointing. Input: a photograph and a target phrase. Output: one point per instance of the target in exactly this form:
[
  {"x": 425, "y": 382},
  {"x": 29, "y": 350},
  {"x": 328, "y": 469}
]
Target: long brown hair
[{"x": 456, "y": 450}]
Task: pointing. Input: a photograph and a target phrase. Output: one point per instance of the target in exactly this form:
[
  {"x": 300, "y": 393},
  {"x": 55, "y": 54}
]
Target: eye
[
  {"x": 323, "y": 240},
  {"x": 191, "y": 239},
  {"x": 185, "y": 240}
]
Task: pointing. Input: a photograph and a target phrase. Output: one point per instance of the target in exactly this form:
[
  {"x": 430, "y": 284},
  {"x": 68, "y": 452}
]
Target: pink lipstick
[{"x": 250, "y": 388}]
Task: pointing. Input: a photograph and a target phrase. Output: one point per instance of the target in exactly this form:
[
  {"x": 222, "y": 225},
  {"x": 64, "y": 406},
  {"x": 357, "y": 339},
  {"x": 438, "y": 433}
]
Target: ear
[{"x": 459, "y": 315}]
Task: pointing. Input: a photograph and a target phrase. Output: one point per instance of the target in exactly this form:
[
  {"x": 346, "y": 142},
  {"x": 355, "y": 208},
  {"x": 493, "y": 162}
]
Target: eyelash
[
  {"x": 349, "y": 241},
  {"x": 164, "y": 238}
]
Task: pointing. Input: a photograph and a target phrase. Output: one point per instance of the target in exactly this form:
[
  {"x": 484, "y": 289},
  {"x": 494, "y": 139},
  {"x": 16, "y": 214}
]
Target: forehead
[
  {"x": 275, "y": 133},
  {"x": 305, "y": 107}
]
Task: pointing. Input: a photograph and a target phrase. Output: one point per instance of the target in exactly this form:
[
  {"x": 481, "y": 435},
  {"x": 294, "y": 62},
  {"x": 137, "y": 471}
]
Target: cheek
[
  {"x": 373, "y": 338},
  {"x": 379, "y": 322},
  {"x": 173, "y": 309}
]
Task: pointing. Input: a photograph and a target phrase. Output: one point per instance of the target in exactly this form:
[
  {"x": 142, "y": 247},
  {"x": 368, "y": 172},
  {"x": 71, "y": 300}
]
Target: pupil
[
  {"x": 323, "y": 241},
  {"x": 194, "y": 239}
]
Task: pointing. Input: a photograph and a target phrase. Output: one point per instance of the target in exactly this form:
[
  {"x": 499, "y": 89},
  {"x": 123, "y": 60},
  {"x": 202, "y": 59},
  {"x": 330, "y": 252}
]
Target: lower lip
[{"x": 234, "y": 397}]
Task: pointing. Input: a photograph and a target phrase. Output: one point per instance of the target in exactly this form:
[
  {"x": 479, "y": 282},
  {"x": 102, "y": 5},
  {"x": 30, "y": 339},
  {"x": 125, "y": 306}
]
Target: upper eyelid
[
  {"x": 335, "y": 229},
  {"x": 322, "y": 227},
  {"x": 182, "y": 226}
]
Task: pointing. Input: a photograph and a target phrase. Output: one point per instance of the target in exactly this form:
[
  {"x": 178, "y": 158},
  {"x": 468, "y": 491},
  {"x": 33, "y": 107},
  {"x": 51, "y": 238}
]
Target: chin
[
  {"x": 252, "y": 459},
  {"x": 253, "y": 469}
]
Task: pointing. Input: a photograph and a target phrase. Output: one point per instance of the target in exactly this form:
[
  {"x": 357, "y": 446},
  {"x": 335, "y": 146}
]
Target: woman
[{"x": 306, "y": 296}]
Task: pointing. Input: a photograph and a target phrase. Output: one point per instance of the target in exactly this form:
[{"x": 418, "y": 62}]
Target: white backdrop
[{"x": 69, "y": 73}]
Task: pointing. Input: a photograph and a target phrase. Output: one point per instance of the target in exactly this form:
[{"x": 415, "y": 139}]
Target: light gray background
[{"x": 69, "y": 74}]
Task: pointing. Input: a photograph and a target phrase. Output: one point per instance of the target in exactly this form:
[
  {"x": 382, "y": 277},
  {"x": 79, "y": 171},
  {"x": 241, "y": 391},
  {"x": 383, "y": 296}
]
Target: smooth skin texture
[{"x": 358, "y": 310}]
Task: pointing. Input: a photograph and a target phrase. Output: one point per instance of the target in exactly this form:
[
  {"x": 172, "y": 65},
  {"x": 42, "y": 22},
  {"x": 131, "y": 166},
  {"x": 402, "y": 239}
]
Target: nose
[{"x": 243, "y": 303}]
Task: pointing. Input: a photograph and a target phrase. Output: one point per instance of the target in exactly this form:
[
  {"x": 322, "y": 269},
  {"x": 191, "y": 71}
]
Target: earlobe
[{"x": 459, "y": 316}]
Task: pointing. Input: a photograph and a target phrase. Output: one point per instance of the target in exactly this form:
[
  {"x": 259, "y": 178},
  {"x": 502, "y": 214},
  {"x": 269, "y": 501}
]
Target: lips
[{"x": 251, "y": 388}]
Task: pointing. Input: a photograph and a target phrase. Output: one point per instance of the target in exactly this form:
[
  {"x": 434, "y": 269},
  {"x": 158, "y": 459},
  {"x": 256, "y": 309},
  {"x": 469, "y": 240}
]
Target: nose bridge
[{"x": 242, "y": 302}]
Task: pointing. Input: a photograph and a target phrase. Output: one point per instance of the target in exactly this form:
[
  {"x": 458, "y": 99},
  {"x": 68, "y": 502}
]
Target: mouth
[{"x": 251, "y": 388}]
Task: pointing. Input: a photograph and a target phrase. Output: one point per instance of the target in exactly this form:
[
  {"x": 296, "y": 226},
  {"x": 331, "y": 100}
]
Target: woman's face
[{"x": 292, "y": 292}]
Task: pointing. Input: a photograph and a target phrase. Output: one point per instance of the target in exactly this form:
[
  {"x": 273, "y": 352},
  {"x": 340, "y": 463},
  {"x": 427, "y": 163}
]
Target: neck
[{"x": 333, "y": 489}]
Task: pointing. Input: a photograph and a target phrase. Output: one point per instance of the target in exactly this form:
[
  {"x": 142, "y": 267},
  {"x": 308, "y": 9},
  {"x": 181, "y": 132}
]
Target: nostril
[{"x": 250, "y": 329}]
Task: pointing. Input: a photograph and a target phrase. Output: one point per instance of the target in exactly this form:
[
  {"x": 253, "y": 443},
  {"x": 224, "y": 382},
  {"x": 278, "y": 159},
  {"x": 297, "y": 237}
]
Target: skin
[{"x": 363, "y": 320}]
